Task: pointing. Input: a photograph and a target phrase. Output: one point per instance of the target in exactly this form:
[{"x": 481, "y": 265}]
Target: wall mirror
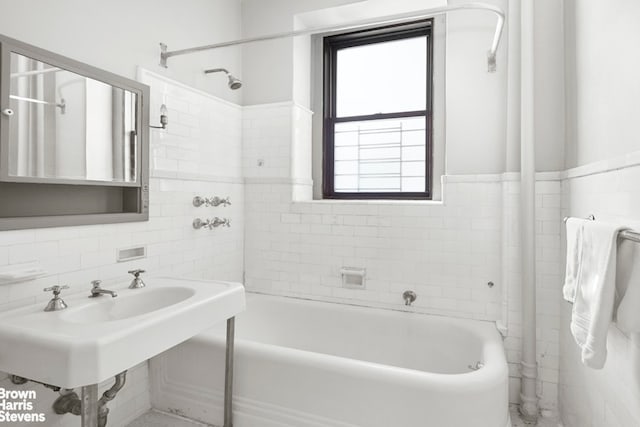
[
  {"x": 68, "y": 126},
  {"x": 73, "y": 141}
]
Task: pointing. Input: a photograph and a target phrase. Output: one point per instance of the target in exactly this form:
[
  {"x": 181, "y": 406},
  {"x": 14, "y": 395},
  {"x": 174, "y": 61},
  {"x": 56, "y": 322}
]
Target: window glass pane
[
  {"x": 348, "y": 183},
  {"x": 382, "y": 156},
  {"x": 413, "y": 184},
  {"x": 382, "y": 78}
]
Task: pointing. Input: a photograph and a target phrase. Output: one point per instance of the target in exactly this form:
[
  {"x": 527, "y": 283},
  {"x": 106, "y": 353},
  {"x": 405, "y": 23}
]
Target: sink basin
[
  {"x": 129, "y": 305},
  {"x": 96, "y": 338}
]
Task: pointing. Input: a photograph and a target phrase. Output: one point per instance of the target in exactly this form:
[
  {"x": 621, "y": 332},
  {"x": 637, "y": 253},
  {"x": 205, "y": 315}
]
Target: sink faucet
[{"x": 96, "y": 290}]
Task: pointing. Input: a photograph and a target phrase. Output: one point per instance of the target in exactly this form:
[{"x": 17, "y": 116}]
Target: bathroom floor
[{"x": 162, "y": 419}]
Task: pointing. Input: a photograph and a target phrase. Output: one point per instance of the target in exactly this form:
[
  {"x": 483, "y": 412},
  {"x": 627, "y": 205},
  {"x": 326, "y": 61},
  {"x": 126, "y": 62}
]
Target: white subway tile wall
[
  {"x": 266, "y": 140},
  {"x": 446, "y": 253},
  {"x": 198, "y": 154},
  {"x": 549, "y": 279},
  {"x": 608, "y": 397}
]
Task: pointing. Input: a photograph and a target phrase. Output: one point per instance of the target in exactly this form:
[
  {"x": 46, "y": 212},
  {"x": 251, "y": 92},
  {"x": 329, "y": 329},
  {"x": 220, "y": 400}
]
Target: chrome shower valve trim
[
  {"x": 213, "y": 201},
  {"x": 211, "y": 223}
]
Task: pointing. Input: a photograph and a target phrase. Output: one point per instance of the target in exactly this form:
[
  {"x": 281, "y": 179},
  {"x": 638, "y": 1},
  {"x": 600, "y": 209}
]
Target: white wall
[
  {"x": 602, "y": 79},
  {"x": 602, "y": 154},
  {"x": 474, "y": 137},
  {"x": 268, "y": 66},
  {"x": 475, "y": 99},
  {"x": 549, "y": 104},
  {"x": 119, "y": 35}
]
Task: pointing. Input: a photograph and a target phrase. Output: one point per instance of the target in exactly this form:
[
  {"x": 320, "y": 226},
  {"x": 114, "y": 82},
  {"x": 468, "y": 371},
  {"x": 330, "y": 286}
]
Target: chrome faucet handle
[
  {"x": 137, "y": 272},
  {"x": 198, "y": 224},
  {"x": 96, "y": 283},
  {"x": 56, "y": 289},
  {"x": 221, "y": 222},
  {"x": 137, "y": 281},
  {"x": 199, "y": 201},
  {"x": 217, "y": 201},
  {"x": 56, "y": 302}
]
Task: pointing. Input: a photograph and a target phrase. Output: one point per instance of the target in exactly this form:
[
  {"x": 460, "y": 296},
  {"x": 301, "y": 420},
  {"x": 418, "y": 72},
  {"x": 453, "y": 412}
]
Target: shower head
[{"x": 234, "y": 82}]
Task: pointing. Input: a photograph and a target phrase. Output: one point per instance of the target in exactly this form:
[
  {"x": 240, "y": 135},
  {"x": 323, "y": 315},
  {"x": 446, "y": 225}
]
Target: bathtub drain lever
[{"x": 479, "y": 365}]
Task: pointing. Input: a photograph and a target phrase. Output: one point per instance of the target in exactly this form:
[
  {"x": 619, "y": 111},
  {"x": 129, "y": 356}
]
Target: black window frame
[{"x": 332, "y": 44}]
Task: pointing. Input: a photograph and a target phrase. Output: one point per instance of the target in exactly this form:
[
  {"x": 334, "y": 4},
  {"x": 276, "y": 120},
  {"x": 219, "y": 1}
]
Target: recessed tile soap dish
[{"x": 353, "y": 277}]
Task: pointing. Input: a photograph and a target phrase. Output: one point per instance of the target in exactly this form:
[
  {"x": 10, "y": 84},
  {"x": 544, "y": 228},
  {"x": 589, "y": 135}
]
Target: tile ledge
[{"x": 625, "y": 161}]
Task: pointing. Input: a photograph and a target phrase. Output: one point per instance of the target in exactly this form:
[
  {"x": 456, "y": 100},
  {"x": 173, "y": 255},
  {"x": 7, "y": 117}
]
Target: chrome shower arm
[{"x": 216, "y": 70}]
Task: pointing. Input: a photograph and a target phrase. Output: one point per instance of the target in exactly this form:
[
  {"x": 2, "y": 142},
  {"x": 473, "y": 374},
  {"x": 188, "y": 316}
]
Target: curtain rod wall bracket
[
  {"x": 491, "y": 62},
  {"x": 163, "y": 55},
  {"x": 395, "y": 19}
]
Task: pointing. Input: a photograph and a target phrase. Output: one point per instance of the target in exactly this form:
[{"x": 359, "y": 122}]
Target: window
[{"x": 377, "y": 133}]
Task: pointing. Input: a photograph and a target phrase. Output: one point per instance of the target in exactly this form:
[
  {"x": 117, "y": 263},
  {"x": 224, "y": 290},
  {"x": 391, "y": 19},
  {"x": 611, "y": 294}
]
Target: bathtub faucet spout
[{"x": 409, "y": 297}]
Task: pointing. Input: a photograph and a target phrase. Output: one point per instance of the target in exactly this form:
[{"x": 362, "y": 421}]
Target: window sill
[{"x": 370, "y": 202}]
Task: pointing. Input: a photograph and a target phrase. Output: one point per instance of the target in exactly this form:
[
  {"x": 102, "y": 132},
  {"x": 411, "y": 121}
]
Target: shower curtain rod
[
  {"x": 392, "y": 19},
  {"x": 35, "y": 72},
  {"x": 62, "y": 105}
]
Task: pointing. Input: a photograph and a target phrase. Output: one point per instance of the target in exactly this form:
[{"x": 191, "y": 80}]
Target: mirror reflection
[{"x": 69, "y": 127}]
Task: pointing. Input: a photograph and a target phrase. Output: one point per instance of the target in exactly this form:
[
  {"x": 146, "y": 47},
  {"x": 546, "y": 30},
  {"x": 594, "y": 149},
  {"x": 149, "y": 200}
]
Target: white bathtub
[{"x": 311, "y": 364}]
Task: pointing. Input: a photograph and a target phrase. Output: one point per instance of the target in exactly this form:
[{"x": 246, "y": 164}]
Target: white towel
[
  {"x": 574, "y": 246},
  {"x": 591, "y": 279}
]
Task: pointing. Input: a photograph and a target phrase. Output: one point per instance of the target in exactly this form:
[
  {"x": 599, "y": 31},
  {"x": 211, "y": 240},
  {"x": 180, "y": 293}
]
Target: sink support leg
[
  {"x": 89, "y": 409},
  {"x": 228, "y": 374}
]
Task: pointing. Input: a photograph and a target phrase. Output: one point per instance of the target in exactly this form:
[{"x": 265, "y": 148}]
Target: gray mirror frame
[{"x": 141, "y": 186}]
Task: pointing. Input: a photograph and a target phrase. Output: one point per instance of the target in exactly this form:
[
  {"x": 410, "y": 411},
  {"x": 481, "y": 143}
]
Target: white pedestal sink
[{"x": 96, "y": 338}]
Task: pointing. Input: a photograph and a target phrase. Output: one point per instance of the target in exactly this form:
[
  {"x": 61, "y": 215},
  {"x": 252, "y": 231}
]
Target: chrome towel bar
[{"x": 633, "y": 236}]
